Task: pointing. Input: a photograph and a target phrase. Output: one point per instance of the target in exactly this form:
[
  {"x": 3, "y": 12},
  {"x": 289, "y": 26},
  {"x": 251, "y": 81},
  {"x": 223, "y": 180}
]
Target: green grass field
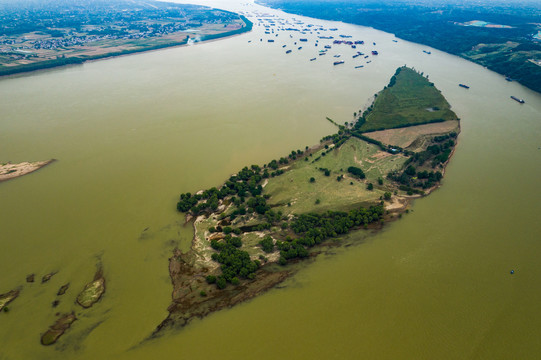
[
  {"x": 294, "y": 186},
  {"x": 413, "y": 99}
]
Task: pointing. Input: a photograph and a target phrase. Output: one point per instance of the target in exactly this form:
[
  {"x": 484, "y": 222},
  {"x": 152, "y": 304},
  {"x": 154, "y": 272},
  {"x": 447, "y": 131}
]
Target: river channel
[{"x": 132, "y": 133}]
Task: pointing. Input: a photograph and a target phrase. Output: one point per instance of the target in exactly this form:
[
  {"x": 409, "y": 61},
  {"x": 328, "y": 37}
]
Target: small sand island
[
  {"x": 250, "y": 230},
  {"x": 11, "y": 171}
]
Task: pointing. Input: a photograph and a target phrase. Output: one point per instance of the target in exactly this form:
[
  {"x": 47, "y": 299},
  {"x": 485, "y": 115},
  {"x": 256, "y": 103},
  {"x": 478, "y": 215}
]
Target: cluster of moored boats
[{"x": 273, "y": 26}]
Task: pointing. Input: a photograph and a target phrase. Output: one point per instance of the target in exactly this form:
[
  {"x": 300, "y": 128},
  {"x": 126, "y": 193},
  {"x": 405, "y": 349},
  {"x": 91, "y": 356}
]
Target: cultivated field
[
  {"x": 406, "y": 137},
  {"x": 409, "y": 99}
]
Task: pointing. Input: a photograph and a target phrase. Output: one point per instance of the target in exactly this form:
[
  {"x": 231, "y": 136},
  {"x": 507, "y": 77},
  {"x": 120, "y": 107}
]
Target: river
[{"x": 132, "y": 133}]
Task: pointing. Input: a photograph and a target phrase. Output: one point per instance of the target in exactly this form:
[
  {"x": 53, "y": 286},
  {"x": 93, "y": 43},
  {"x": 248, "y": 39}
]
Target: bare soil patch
[{"x": 404, "y": 137}]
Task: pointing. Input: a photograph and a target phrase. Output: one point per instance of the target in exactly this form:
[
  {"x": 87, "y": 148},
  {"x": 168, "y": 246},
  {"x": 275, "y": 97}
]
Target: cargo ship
[
  {"x": 517, "y": 99},
  {"x": 464, "y": 86}
]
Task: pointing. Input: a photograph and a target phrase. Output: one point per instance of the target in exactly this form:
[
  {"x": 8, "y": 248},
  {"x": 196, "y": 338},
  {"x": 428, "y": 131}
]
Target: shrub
[
  {"x": 356, "y": 171},
  {"x": 221, "y": 283}
]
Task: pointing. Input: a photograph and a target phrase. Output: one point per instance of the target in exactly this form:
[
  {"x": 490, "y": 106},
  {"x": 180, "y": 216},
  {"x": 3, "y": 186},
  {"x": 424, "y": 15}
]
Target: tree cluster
[
  {"x": 315, "y": 228},
  {"x": 235, "y": 263}
]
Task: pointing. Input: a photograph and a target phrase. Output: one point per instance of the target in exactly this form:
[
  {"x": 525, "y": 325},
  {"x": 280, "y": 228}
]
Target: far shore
[
  {"x": 53, "y": 64},
  {"x": 10, "y": 171}
]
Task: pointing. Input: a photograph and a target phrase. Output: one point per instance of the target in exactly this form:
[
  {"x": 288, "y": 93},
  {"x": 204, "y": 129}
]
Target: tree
[
  {"x": 387, "y": 196},
  {"x": 370, "y": 186},
  {"x": 312, "y": 179},
  {"x": 267, "y": 244},
  {"x": 221, "y": 283},
  {"x": 410, "y": 170},
  {"x": 356, "y": 171}
]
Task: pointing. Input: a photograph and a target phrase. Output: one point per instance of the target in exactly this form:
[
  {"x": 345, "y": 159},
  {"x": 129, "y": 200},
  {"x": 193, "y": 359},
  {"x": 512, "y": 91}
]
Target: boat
[
  {"x": 270, "y": 40},
  {"x": 427, "y": 52},
  {"x": 312, "y": 59},
  {"x": 287, "y": 52},
  {"x": 327, "y": 46},
  {"x": 300, "y": 47},
  {"x": 464, "y": 86},
  {"x": 374, "y": 52},
  {"x": 283, "y": 46},
  {"x": 354, "y": 56},
  {"x": 517, "y": 100},
  {"x": 337, "y": 55},
  {"x": 322, "y": 53},
  {"x": 303, "y": 40},
  {"x": 360, "y": 66},
  {"x": 338, "y": 62},
  {"x": 508, "y": 78}
]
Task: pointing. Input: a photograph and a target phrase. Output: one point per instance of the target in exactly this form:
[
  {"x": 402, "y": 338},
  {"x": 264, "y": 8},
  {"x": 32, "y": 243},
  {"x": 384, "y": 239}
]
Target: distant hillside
[{"x": 471, "y": 31}]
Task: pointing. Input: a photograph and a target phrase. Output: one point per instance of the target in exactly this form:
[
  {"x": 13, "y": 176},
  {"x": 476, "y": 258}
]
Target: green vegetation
[
  {"x": 315, "y": 228},
  {"x": 357, "y": 172},
  {"x": 409, "y": 99}
]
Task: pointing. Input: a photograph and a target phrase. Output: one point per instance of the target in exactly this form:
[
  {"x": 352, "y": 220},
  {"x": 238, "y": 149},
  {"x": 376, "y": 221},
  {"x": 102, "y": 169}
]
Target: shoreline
[
  {"x": 23, "y": 70},
  {"x": 10, "y": 171},
  {"x": 187, "y": 304}
]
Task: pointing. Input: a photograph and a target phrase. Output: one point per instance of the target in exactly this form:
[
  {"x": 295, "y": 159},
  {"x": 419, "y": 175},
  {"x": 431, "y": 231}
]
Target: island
[
  {"x": 11, "y": 171},
  {"x": 41, "y": 34},
  {"x": 249, "y": 231}
]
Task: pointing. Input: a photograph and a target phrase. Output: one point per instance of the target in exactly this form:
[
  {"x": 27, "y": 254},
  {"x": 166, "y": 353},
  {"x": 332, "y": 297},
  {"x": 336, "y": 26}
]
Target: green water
[{"x": 132, "y": 133}]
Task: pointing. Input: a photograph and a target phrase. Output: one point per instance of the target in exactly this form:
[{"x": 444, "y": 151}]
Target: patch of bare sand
[
  {"x": 10, "y": 171},
  {"x": 397, "y": 203}
]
